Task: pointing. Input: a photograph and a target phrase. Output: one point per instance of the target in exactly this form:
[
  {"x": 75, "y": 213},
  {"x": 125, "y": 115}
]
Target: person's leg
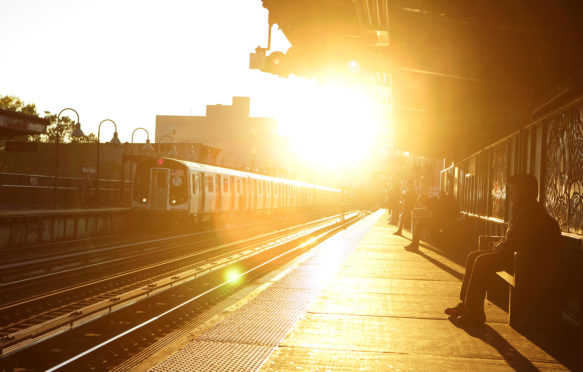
[
  {"x": 400, "y": 227},
  {"x": 470, "y": 261},
  {"x": 485, "y": 265},
  {"x": 423, "y": 225},
  {"x": 395, "y": 213},
  {"x": 419, "y": 225}
]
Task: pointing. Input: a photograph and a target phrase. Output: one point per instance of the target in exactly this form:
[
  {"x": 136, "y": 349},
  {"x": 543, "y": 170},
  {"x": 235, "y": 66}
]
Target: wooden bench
[
  {"x": 536, "y": 286},
  {"x": 455, "y": 236},
  {"x": 417, "y": 213}
]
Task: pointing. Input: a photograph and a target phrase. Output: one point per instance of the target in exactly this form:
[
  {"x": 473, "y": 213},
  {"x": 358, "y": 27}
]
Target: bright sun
[{"x": 328, "y": 125}]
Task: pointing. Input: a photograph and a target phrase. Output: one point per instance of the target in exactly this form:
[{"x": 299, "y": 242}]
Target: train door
[
  {"x": 219, "y": 193},
  {"x": 282, "y": 195},
  {"x": 315, "y": 201},
  {"x": 260, "y": 195},
  {"x": 245, "y": 201},
  {"x": 211, "y": 196},
  {"x": 266, "y": 195},
  {"x": 249, "y": 194},
  {"x": 226, "y": 197},
  {"x": 200, "y": 189},
  {"x": 239, "y": 188},
  {"x": 159, "y": 188},
  {"x": 275, "y": 196},
  {"x": 254, "y": 195},
  {"x": 193, "y": 194},
  {"x": 233, "y": 192},
  {"x": 263, "y": 189}
]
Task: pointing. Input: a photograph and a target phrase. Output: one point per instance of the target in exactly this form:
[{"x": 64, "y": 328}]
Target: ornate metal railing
[
  {"x": 551, "y": 149},
  {"x": 563, "y": 177}
]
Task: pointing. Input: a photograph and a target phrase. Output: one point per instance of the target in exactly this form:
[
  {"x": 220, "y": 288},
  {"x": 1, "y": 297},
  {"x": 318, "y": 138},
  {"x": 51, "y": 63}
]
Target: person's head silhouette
[{"x": 523, "y": 189}]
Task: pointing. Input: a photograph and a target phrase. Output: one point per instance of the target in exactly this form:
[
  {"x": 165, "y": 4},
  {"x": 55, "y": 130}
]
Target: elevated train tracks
[{"x": 133, "y": 273}]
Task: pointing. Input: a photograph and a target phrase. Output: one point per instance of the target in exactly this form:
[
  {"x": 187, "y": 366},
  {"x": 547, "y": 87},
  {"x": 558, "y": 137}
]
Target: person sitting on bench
[
  {"x": 530, "y": 228},
  {"x": 443, "y": 210}
]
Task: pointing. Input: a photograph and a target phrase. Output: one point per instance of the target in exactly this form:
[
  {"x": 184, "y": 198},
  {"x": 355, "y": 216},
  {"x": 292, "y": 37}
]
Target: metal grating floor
[
  {"x": 244, "y": 340},
  {"x": 202, "y": 356},
  {"x": 181, "y": 332},
  {"x": 264, "y": 321}
]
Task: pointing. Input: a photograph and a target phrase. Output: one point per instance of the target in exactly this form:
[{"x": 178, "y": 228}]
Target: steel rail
[
  {"x": 11, "y": 256},
  {"x": 309, "y": 243},
  {"x": 104, "y": 307},
  {"x": 166, "y": 264},
  {"x": 62, "y": 260}
]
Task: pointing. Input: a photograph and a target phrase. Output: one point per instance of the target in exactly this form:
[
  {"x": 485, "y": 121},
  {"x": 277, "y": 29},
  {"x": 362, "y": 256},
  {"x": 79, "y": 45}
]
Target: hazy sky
[{"x": 130, "y": 60}]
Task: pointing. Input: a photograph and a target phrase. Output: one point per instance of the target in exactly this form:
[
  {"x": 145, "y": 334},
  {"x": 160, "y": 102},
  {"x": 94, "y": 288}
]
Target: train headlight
[
  {"x": 144, "y": 200},
  {"x": 173, "y": 202}
]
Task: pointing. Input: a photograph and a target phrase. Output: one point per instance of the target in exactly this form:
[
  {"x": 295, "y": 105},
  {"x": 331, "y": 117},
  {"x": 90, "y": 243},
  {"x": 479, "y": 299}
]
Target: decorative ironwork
[
  {"x": 498, "y": 172},
  {"x": 564, "y": 169}
]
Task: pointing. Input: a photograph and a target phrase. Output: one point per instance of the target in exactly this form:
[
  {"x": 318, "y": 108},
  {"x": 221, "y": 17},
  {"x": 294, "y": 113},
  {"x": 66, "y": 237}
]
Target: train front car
[{"x": 161, "y": 185}]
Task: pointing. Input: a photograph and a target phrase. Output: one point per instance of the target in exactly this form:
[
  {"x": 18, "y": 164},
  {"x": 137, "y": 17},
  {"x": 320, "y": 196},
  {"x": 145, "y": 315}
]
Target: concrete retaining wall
[{"x": 24, "y": 228}]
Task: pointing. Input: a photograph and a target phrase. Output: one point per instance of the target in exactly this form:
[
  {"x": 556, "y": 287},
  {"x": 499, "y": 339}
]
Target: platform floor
[{"x": 357, "y": 302}]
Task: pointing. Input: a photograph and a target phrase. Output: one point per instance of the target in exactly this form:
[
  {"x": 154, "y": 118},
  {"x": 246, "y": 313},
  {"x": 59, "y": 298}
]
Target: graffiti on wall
[{"x": 564, "y": 169}]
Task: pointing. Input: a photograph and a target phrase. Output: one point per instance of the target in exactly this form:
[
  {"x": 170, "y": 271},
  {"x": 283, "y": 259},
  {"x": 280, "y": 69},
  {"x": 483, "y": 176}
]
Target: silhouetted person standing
[
  {"x": 530, "y": 228},
  {"x": 409, "y": 200},
  {"x": 394, "y": 199}
]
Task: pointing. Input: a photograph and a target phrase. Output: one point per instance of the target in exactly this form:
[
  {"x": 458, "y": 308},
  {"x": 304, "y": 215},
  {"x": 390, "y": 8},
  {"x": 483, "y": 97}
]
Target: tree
[
  {"x": 64, "y": 129},
  {"x": 15, "y": 104}
]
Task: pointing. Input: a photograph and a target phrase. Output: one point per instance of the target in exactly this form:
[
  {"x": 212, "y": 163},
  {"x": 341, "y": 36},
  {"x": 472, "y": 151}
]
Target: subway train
[{"x": 201, "y": 191}]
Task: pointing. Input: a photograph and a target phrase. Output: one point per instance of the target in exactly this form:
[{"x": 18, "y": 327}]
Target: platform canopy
[
  {"x": 459, "y": 74},
  {"x": 14, "y": 124}
]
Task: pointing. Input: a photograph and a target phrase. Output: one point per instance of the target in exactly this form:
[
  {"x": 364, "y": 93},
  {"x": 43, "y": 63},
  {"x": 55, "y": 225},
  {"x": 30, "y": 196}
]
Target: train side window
[
  {"x": 193, "y": 184},
  {"x": 238, "y": 186},
  {"x": 225, "y": 184}
]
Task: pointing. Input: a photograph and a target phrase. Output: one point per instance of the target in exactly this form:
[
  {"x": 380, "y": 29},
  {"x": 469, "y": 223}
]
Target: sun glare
[
  {"x": 233, "y": 275},
  {"x": 328, "y": 125}
]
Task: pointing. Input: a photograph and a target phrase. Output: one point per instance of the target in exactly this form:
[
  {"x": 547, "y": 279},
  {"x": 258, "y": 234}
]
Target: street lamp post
[
  {"x": 114, "y": 141},
  {"x": 146, "y": 148},
  {"x": 77, "y": 132}
]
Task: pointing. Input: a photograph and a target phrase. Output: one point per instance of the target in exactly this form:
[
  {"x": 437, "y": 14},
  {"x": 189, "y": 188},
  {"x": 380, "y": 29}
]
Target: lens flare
[{"x": 233, "y": 275}]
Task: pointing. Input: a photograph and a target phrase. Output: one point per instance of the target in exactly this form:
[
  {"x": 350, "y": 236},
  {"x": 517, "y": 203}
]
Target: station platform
[{"x": 359, "y": 301}]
